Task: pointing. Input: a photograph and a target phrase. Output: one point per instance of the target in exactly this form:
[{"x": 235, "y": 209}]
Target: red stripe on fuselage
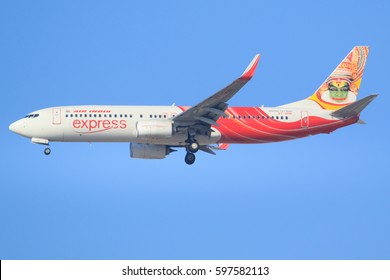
[
  {"x": 247, "y": 125},
  {"x": 255, "y": 129}
]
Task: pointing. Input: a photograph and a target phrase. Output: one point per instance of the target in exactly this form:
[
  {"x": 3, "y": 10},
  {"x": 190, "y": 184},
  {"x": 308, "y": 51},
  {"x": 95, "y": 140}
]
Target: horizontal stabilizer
[
  {"x": 361, "y": 122},
  {"x": 353, "y": 109}
]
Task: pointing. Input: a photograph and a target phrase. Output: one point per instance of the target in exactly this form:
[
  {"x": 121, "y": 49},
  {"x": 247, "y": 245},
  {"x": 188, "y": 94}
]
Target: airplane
[{"x": 155, "y": 131}]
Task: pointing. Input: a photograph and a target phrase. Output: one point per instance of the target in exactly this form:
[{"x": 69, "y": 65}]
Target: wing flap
[{"x": 209, "y": 149}]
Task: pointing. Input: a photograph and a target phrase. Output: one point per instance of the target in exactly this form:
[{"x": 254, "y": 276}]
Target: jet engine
[
  {"x": 149, "y": 151},
  {"x": 154, "y": 129}
]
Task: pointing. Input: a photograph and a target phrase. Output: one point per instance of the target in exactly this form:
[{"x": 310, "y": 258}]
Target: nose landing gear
[
  {"x": 47, "y": 150},
  {"x": 42, "y": 141}
]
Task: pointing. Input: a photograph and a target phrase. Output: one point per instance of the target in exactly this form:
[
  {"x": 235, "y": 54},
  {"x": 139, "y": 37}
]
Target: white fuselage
[
  {"x": 103, "y": 124},
  {"x": 133, "y": 124}
]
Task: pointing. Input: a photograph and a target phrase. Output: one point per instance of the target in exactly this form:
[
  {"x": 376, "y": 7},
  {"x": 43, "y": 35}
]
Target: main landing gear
[
  {"x": 192, "y": 148},
  {"x": 189, "y": 158}
]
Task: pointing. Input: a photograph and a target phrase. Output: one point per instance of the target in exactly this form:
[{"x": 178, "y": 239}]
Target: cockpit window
[{"x": 32, "y": 116}]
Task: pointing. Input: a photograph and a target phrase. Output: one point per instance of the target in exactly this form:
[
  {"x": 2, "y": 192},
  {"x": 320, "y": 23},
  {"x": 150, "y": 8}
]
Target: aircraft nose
[{"x": 17, "y": 127}]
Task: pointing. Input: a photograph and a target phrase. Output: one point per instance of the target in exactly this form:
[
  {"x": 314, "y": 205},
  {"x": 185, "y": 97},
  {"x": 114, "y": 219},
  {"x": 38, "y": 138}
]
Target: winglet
[{"x": 250, "y": 70}]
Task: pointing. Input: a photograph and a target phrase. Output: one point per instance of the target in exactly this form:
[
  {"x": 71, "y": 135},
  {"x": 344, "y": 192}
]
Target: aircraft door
[
  {"x": 304, "y": 119},
  {"x": 56, "y": 116}
]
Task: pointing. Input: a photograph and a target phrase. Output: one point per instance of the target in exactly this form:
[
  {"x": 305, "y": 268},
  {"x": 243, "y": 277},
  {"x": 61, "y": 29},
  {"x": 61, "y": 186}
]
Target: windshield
[{"x": 32, "y": 116}]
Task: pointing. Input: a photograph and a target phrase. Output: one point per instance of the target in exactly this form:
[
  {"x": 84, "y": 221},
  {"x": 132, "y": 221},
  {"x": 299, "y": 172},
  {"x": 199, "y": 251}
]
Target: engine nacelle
[
  {"x": 149, "y": 151},
  {"x": 154, "y": 129}
]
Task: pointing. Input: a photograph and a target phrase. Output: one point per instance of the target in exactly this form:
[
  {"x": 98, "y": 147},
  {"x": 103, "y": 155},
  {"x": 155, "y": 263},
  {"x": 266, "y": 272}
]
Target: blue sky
[{"x": 323, "y": 197}]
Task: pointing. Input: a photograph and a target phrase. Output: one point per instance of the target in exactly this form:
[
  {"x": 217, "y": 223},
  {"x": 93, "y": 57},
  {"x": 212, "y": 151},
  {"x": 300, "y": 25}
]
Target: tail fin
[{"x": 342, "y": 86}]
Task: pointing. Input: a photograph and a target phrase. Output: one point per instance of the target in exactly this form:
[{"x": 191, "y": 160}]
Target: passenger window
[
  {"x": 120, "y": 115},
  {"x": 140, "y": 116},
  {"x": 66, "y": 115}
]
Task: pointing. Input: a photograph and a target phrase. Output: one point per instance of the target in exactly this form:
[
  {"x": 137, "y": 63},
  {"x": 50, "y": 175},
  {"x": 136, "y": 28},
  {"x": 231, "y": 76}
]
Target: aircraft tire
[
  {"x": 47, "y": 151},
  {"x": 193, "y": 147},
  {"x": 189, "y": 158}
]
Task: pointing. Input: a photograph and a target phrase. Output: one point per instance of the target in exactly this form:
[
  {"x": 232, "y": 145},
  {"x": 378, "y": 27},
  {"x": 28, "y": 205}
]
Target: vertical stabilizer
[{"x": 342, "y": 86}]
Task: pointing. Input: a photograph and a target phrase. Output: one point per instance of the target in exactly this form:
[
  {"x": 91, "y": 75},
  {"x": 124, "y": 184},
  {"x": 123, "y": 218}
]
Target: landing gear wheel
[
  {"x": 193, "y": 147},
  {"x": 190, "y": 158},
  {"x": 47, "y": 151}
]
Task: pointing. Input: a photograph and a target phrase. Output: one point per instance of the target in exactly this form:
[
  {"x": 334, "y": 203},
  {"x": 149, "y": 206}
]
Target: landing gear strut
[
  {"x": 190, "y": 158},
  {"x": 47, "y": 151},
  {"x": 193, "y": 145}
]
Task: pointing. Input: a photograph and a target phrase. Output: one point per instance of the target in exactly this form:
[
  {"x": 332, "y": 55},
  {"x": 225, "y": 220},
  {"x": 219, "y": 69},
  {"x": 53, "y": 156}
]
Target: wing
[{"x": 205, "y": 114}]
